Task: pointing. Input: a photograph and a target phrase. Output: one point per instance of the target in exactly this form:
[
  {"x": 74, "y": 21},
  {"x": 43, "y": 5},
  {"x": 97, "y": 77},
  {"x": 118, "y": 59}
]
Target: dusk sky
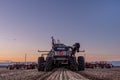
[{"x": 27, "y": 25}]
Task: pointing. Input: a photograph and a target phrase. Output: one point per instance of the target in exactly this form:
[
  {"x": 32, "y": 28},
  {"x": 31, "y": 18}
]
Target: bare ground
[
  {"x": 102, "y": 74},
  {"x": 56, "y": 74},
  {"x": 61, "y": 74}
]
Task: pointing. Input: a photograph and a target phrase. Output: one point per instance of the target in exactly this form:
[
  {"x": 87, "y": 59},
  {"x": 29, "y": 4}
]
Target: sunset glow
[{"x": 27, "y": 25}]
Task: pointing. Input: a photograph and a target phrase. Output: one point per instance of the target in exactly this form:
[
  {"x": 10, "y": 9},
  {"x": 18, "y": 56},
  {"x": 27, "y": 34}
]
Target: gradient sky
[{"x": 27, "y": 25}]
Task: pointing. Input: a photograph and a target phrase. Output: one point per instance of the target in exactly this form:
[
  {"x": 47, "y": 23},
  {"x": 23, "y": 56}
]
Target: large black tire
[
  {"x": 41, "y": 64},
  {"x": 81, "y": 63},
  {"x": 10, "y": 68},
  {"x": 73, "y": 64},
  {"x": 48, "y": 64}
]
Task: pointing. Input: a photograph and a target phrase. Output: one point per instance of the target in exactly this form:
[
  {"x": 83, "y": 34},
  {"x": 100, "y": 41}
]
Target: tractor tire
[
  {"x": 10, "y": 68},
  {"x": 41, "y": 64},
  {"x": 73, "y": 64},
  {"x": 48, "y": 64},
  {"x": 81, "y": 63}
]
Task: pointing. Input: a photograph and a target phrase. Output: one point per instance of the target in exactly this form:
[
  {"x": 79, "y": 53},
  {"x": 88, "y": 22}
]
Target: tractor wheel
[
  {"x": 73, "y": 64},
  {"x": 10, "y": 68},
  {"x": 81, "y": 63},
  {"x": 41, "y": 64},
  {"x": 48, "y": 64}
]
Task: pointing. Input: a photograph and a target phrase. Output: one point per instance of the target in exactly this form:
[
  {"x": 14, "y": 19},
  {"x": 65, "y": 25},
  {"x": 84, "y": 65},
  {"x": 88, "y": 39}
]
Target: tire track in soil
[
  {"x": 63, "y": 74},
  {"x": 75, "y": 76},
  {"x": 59, "y": 74},
  {"x": 66, "y": 77},
  {"x": 54, "y": 76},
  {"x": 45, "y": 75}
]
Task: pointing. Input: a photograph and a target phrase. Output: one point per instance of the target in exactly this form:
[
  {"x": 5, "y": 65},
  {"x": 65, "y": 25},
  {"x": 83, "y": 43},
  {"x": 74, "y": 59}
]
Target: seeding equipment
[{"x": 61, "y": 55}]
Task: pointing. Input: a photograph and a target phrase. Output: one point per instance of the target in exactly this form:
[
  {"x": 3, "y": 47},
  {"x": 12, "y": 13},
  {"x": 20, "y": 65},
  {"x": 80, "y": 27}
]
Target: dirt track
[{"x": 60, "y": 74}]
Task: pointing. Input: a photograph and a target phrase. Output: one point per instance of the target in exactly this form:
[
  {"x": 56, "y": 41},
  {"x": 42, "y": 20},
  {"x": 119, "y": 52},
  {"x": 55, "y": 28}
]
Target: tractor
[{"x": 61, "y": 56}]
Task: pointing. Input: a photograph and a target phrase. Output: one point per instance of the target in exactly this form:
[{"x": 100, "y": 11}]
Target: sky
[{"x": 27, "y": 25}]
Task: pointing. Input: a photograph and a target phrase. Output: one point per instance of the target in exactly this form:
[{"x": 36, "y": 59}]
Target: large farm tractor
[{"x": 61, "y": 55}]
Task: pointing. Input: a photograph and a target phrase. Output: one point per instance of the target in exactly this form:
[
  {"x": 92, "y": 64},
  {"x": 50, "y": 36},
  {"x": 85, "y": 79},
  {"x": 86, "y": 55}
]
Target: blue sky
[{"x": 27, "y": 25}]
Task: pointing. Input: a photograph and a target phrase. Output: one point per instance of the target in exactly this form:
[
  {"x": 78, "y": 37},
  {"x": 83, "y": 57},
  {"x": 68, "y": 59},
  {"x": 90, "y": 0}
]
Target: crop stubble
[{"x": 60, "y": 74}]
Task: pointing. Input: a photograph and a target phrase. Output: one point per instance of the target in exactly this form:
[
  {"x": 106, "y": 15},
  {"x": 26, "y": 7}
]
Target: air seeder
[{"x": 61, "y": 55}]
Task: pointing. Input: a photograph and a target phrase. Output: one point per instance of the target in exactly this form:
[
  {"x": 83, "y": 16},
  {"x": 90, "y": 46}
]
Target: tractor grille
[{"x": 60, "y": 53}]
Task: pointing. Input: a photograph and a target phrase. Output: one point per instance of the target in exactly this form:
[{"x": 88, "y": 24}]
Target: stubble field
[{"x": 61, "y": 74}]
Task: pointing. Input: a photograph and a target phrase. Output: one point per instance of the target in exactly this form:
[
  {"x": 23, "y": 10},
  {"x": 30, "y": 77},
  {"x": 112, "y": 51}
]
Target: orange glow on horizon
[{"x": 34, "y": 57}]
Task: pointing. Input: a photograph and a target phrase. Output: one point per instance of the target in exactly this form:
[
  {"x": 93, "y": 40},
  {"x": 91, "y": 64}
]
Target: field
[
  {"x": 102, "y": 74},
  {"x": 61, "y": 74}
]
